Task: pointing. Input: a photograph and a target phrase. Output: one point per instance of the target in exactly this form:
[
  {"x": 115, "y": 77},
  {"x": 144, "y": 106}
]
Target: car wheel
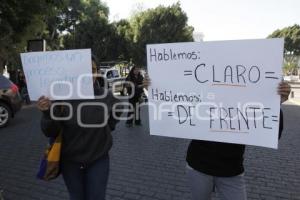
[{"x": 5, "y": 115}]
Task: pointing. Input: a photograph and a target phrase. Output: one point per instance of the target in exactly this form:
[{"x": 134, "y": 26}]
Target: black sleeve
[
  {"x": 50, "y": 127},
  {"x": 280, "y": 124}
]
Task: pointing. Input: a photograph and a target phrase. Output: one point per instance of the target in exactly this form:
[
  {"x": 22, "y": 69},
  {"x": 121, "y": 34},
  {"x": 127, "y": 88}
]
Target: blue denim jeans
[{"x": 86, "y": 182}]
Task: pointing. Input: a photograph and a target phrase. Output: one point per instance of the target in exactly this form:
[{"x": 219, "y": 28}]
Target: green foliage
[
  {"x": 19, "y": 22},
  {"x": 88, "y": 27},
  {"x": 73, "y": 24},
  {"x": 124, "y": 45},
  {"x": 124, "y": 40},
  {"x": 290, "y": 68},
  {"x": 291, "y": 37},
  {"x": 158, "y": 25}
]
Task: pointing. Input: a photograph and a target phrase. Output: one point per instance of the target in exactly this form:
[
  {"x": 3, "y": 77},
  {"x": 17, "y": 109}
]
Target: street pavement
[{"x": 145, "y": 167}]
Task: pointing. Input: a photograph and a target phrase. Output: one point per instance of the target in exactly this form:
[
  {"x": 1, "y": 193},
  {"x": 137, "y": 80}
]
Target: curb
[{"x": 297, "y": 102}]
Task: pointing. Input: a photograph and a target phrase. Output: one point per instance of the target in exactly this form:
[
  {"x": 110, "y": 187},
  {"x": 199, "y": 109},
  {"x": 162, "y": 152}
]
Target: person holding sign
[
  {"x": 135, "y": 90},
  {"x": 220, "y": 165},
  {"x": 86, "y": 140}
]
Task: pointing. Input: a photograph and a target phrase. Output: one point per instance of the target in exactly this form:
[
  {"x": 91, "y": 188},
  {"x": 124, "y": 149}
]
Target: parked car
[
  {"x": 10, "y": 100},
  {"x": 113, "y": 77}
]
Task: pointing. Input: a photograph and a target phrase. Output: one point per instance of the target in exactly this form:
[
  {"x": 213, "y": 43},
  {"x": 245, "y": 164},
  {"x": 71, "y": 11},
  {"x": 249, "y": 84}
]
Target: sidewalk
[{"x": 295, "y": 101}]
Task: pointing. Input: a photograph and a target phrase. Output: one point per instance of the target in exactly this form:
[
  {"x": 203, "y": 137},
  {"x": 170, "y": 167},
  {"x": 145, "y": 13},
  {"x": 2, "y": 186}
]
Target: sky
[{"x": 222, "y": 19}]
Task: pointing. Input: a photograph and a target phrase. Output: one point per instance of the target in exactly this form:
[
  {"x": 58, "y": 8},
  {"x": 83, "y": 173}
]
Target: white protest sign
[
  {"x": 223, "y": 91},
  {"x": 59, "y": 75}
]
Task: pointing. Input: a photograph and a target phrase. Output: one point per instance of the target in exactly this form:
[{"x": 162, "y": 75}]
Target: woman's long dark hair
[{"x": 131, "y": 74}]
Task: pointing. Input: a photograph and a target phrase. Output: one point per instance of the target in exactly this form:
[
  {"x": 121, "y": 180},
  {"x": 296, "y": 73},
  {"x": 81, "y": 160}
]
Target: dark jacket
[
  {"x": 136, "y": 81},
  {"x": 81, "y": 144},
  {"x": 217, "y": 158}
]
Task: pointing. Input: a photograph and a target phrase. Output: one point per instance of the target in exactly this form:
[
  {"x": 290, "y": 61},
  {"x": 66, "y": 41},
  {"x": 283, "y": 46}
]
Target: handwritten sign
[
  {"x": 222, "y": 91},
  {"x": 60, "y": 75}
]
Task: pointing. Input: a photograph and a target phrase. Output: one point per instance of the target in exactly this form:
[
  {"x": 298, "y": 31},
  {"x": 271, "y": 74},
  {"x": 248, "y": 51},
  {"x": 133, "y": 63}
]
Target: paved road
[{"x": 146, "y": 167}]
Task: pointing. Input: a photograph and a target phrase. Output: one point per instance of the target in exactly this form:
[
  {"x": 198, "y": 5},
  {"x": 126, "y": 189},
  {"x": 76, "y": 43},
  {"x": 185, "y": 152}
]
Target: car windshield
[
  {"x": 112, "y": 74},
  {"x": 4, "y": 82}
]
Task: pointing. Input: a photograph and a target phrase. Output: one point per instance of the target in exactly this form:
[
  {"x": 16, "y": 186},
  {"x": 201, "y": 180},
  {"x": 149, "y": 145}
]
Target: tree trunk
[{"x": 2, "y": 65}]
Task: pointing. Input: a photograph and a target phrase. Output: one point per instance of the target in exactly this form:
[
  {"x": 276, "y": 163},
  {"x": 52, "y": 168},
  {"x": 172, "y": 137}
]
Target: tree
[
  {"x": 158, "y": 25},
  {"x": 291, "y": 37},
  {"x": 124, "y": 45},
  {"x": 73, "y": 24},
  {"x": 92, "y": 30},
  {"x": 56, "y": 24},
  {"x": 290, "y": 68},
  {"x": 20, "y": 21}
]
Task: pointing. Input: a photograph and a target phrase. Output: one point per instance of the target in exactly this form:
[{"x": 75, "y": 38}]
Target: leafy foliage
[
  {"x": 20, "y": 21},
  {"x": 159, "y": 25},
  {"x": 73, "y": 24},
  {"x": 291, "y": 37}
]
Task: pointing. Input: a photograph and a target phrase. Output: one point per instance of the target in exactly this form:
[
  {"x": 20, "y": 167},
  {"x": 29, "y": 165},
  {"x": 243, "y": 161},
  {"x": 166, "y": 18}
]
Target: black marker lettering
[
  {"x": 230, "y": 117},
  {"x": 214, "y": 78},
  {"x": 160, "y": 57},
  {"x": 155, "y": 95},
  {"x": 196, "y": 74},
  {"x": 252, "y": 80},
  {"x": 254, "y": 115},
  {"x": 179, "y": 114},
  {"x": 226, "y": 75},
  {"x": 265, "y": 117},
  {"x": 166, "y": 56},
  {"x": 246, "y": 120},
  {"x": 194, "y": 55},
  {"x": 223, "y": 119},
  {"x": 153, "y": 55},
  {"x": 240, "y": 74}
]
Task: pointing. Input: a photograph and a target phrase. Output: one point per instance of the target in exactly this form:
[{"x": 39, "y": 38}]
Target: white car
[{"x": 114, "y": 79}]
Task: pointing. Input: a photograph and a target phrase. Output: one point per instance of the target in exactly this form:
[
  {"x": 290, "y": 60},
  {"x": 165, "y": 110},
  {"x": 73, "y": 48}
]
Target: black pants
[{"x": 135, "y": 115}]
